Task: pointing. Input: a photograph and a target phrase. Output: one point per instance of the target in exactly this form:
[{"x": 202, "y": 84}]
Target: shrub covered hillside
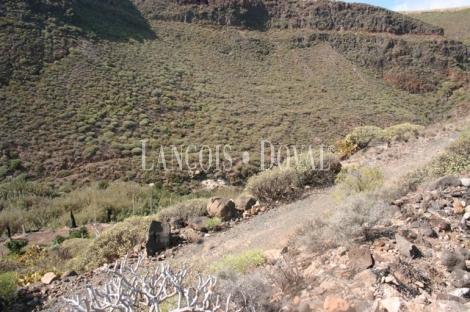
[
  {"x": 82, "y": 82},
  {"x": 455, "y": 22}
]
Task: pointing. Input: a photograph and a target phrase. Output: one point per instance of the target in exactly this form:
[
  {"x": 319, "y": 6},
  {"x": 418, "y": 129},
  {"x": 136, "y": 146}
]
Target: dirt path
[{"x": 272, "y": 229}]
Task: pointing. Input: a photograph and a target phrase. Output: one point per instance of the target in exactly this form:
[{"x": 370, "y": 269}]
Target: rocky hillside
[
  {"x": 413, "y": 257},
  {"x": 290, "y": 72}
]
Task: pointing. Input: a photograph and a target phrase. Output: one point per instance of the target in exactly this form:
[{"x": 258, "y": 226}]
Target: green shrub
[
  {"x": 113, "y": 243},
  {"x": 15, "y": 164},
  {"x": 64, "y": 173},
  {"x": 80, "y": 233},
  {"x": 400, "y": 131},
  {"x": 454, "y": 160},
  {"x": 8, "y": 282},
  {"x": 345, "y": 148},
  {"x": 137, "y": 151},
  {"x": 15, "y": 245},
  {"x": 313, "y": 171},
  {"x": 4, "y": 171},
  {"x": 357, "y": 179},
  {"x": 212, "y": 224},
  {"x": 242, "y": 263},
  {"x": 274, "y": 185},
  {"x": 362, "y": 136},
  {"x": 59, "y": 239},
  {"x": 192, "y": 207},
  {"x": 346, "y": 225},
  {"x": 90, "y": 151}
]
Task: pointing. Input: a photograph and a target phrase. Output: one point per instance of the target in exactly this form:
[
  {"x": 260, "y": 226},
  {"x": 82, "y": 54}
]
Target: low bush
[
  {"x": 59, "y": 239},
  {"x": 346, "y": 225},
  {"x": 357, "y": 179},
  {"x": 454, "y": 160},
  {"x": 314, "y": 170},
  {"x": 250, "y": 291},
  {"x": 400, "y": 131},
  {"x": 362, "y": 136},
  {"x": 113, "y": 243},
  {"x": 274, "y": 185},
  {"x": 212, "y": 224},
  {"x": 287, "y": 275},
  {"x": 8, "y": 282},
  {"x": 80, "y": 233},
  {"x": 15, "y": 245},
  {"x": 230, "y": 266},
  {"x": 192, "y": 207}
]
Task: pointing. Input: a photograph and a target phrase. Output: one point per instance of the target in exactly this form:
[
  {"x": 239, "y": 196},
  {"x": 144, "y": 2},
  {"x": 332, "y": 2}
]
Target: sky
[{"x": 412, "y": 5}]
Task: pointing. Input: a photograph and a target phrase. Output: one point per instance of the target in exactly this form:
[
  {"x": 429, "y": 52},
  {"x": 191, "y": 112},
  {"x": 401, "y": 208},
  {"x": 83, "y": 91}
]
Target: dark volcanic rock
[{"x": 158, "y": 237}]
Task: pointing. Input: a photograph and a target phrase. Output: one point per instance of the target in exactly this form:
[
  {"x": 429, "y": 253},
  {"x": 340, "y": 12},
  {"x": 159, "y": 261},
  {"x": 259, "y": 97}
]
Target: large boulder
[
  {"x": 158, "y": 237},
  {"x": 222, "y": 208},
  {"x": 443, "y": 183},
  {"x": 245, "y": 202},
  {"x": 198, "y": 223}
]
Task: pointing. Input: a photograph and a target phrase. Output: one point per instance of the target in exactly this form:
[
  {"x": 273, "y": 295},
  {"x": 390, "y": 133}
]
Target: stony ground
[{"x": 381, "y": 275}]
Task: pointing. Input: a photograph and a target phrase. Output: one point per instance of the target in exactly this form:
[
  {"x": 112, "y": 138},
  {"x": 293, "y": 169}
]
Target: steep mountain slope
[{"x": 208, "y": 73}]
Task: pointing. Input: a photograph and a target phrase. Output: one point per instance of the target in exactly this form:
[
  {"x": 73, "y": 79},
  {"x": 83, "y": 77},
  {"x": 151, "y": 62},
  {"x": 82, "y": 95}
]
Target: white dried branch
[{"x": 127, "y": 290}]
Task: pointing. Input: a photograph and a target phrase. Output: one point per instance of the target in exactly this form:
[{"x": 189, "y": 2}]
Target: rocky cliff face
[
  {"x": 317, "y": 15},
  {"x": 337, "y": 16}
]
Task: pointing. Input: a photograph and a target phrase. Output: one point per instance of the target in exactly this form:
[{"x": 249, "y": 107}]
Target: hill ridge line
[{"x": 434, "y": 10}]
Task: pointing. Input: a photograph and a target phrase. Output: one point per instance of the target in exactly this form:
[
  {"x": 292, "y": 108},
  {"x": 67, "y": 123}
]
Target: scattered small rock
[
  {"x": 452, "y": 260},
  {"x": 440, "y": 224},
  {"x": 465, "y": 182},
  {"x": 406, "y": 248},
  {"x": 460, "y": 292},
  {"x": 367, "y": 277},
  {"x": 304, "y": 307},
  {"x": 49, "y": 277},
  {"x": 333, "y": 304},
  {"x": 394, "y": 304},
  {"x": 360, "y": 258},
  {"x": 460, "y": 278},
  {"x": 458, "y": 208}
]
